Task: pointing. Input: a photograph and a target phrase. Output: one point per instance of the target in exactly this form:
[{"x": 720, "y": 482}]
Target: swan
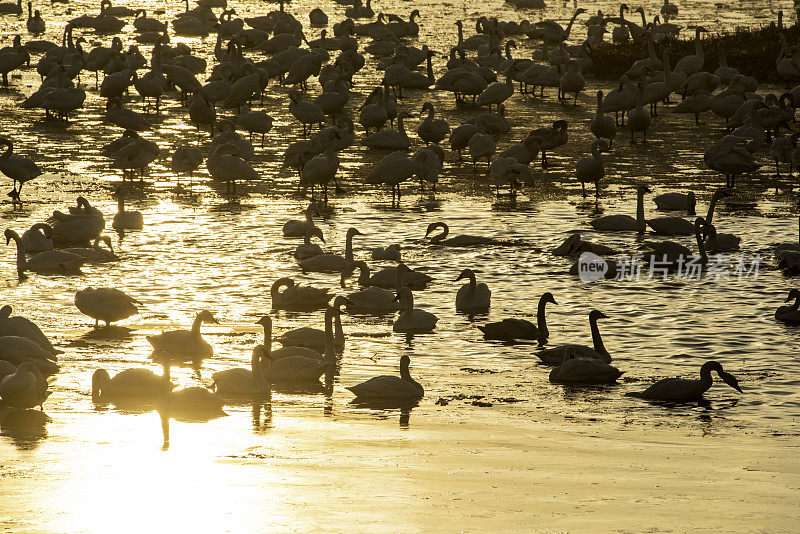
[
  {"x": 557, "y": 355},
  {"x": 320, "y": 170},
  {"x": 136, "y": 155},
  {"x": 572, "y": 81},
  {"x": 308, "y": 249},
  {"x": 241, "y": 381},
  {"x": 676, "y": 202},
  {"x": 186, "y": 158},
  {"x": 720, "y": 242},
  {"x": 624, "y": 223},
  {"x": 393, "y": 170},
  {"x": 95, "y": 254},
  {"x": 432, "y": 130},
  {"x": 258, "y": 122},
  {"x": 17, "y": 350},
  {"x": 371, "y": 300},
  {"x": 23, "y": 327},
  {"x": 296, "y": 297},
  {"x": 307, "y": 113},
  {"x": 48, "y": 262},
  {"x": 683, "y": 389},
  {"x": 459, "y": 240},
  {"x": 497, "y": 93},
  {"x": 295, "y": 228},
  {"x": 790, "y": 314},
  {"x": 390, "y": 139},
  {"x": 591, "y": 169},
  {"x": 670, "y": 255},
  {"x": 729, "y": 157},
  {"x": 20, "y": 169},
  {"x": 389, "y": 253},
  {"x": 126, "y": 220},
  {"x": 584, "y": 371},
  {"x": 481, "y": 144},
  {"x": 460, "y": 136},
  {"x": 411, "y": 320},
  {"x": 386, "y": 277},
  {"x": 671, "y": 226},
  {"x": 225, "y": 164},
  {"x": 26, "y": 388},
  {"x": 130, "y": 383},
  {"x": 192, "y": 403},
  {"x": 472, "y": 296},
  {"x": 37, "y": 238},
  {"x": 693, "y": 63},
  {"x": 602, "y": 126},
  {"x": 511, "y": 329},
  {"x": 11, "y": 8},
  {"x": 35, "y": 22},
  {"x": 525, "y": 151},
  {"x": 389, "y": 386},
  {"x": 552, "y": 137},
  {"x": 298, "y": 368},
  {"x": 105, "y": 304},
  {"x": 575, "y": 245},
  {"x": 638, "y": 117},
  {"x": 276, "y": 354},
  {"x": 185, "y": 344},
  {"x": 314, "y": 338},
  {"x": 331, "y": 263}
]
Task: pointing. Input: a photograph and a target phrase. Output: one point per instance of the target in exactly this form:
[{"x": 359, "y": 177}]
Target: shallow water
[{"x": 206, "y": 252}]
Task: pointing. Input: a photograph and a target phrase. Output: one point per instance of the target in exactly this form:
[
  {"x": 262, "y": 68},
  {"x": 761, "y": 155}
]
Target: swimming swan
[
  {"x": 314, "y": 338},
  {"x": 412, "y": 321},
  {"x": 624, "y": 223},
  {"x": 557, "y": 355},
  {"x": 26, "y": 388},
  {"x": 472, "y": 296},
  {"x": 296, "y": 297},
  {"x": 192, "y": 403},
  {"x": 137, "y": 382},
  {"x": 331, "y": 263},
  {"x": 584, "y": 371},
  {"x": 684, "y": 389},
  {"x": 47, "y": 262},
  {"x": 457, "y": 241},
  {"x": 511, "y": 329},
  {"x": 389, "y": 386},
  {"x": 790, "y": 314},
  {"x": 185, "y": 344},
  {"x": 308, "y": 249},
  {"x": 297, "y": 368},
  {"x": 23, "y": 327},
  {"x": 241, "y": 381}
]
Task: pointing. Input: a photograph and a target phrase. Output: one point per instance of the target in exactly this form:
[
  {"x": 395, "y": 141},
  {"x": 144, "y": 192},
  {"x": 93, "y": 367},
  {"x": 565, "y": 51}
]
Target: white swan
[
  {"x": 556, "y": 355},
  {"x": 462, "y": 240},
  {"x": 389, "y": 386},
  {"x": 511, "y": 329},
  {"x": 331, "y": 263},
  {"x": 296, "y": 297},
  {"x": 624, "y": 223},
  {"x": 37, "y": 238},
  {"x": 26, "y": 388},
  {"x": 671, "y": 226},
  {"x": 720, "y": 242},
  {"x": 48, "y": 262},
  {"x": 105, "y": 304},
  {"x": 131, "y": 383},
  {"x": 184, "y": 344},
  {"x": 584, "y": 371},
  {"x": 601, "y": 125},
  {"x": 307, "y": 249},
  {"x": 276, "y": 354},
  {"x": 683, "y": 389},
  {"x": 388, "y": 253},
  {"x": 95, "y": 254},
  {"x": 411, "y": 320},
  {"x": 126, "y": 220},
  {"x": 241, "y": 381},
  {"x": 24, "y": 327},
  {"x": 473, "y": 296}
]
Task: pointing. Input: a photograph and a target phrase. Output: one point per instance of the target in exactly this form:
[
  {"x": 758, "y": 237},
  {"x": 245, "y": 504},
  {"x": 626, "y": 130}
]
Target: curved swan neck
[
  {"x": 705, "y": 373},
  {"x": 20, "y": 255},
  {"x": 701, "y": 246},
  {"x": 196, "y": 326},
  {"x": 597, "y": 341},
  {"x": 338, "y": 331},
  {"x": 641, "y": 224},
  {"x": 259, "y": 380},
  {"x": 330, "y": 349},
  {"x": 541, "y": 320}
]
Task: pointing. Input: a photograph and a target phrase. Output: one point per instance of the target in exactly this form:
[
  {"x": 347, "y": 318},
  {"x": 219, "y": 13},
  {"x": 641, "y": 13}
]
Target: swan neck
[
  {"x": 597, "y": 341},
  {"x": 196, "y": 326},
  {"x": 541, "y": 320},
  {"x": 338, "y": 332},
  {"x": 259, "y": 381},
  {"x": 641, "y": 224},
  {"x": 330, "y": 349}
]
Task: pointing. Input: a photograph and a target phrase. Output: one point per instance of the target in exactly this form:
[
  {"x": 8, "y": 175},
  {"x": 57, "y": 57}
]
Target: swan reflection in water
[
  {"x": 25, "y": 428},
  {"x": 385, "y": 408}
]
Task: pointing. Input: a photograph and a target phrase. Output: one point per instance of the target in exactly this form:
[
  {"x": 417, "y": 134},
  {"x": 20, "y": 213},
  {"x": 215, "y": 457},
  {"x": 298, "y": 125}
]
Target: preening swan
[
  {"x": 556, "y": 355},
  {"x": 389, "y": 386},
  {"x": 307, "y": 249},
  {"x": 37, "y": 238},
  {"x": 584, "y": 371},
  {"x": 184, "y": 345},
  {"x": 457, "y": 241},
  {"x": 314, "y": 338},
  {"x": 105, "y": 304},
  {"x": 386, "y": 277},
  {"x": 684, "y": 389},
  {"x": 624, "y": 223},
  {"x": 331, "y": 263},
  {"x": 411, "y": 320},
  {"x": 130, "y": 383},
  {"x": 389, "y": 253},
  {"x": 95, "y": 254},
  {"x": 241, "y": 381},
  {"x": 574, "y": 244},
  {"x": 511, "y": 329},
  {"x": 473, "y": 296},
  {"x": 297, "y": 368},
  {"x": 48, "y": 262},
  {"x": 23, "y": 327},
  {"x": 16, "y": 350},
  {"x": 296, "y": 297},
  {"x": 26, "y": 388}
]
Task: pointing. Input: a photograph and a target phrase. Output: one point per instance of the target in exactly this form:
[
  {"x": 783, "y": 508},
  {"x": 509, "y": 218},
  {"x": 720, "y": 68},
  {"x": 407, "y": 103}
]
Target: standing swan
[
  {"x": 473, "y": 296},
  {"x": 390, "y": 387},
  {"x": 684, "y": 389},
  {"x": 185, "y": 344},
  {"x": 601, "y": 125},
  {"x": 557, "y": 355},
  {"x": 105, "y": 304},
  {"x": 591, "y": 169},
  {"x": 511, "y": 329},
  {"x": 18, "y": 168}
]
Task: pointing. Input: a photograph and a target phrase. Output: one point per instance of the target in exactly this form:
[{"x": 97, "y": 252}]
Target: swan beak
[
  {"x": 731, "y": 381},
  {"x": 603, "y": 316}
]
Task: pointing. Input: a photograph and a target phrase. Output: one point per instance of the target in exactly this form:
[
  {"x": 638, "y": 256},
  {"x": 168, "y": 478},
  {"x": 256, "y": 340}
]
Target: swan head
[
  {"x": 10, "y": 234},
  {"x": 352, "y": 232},
  {"x": 100, "y": 379},
  {"x": 728, "y": 378},
  {"x": 793, "y": 294},
  {"x": 594, "y": 315},
  {"x": 548, "y": 297},
  {"x": 405, "y": 297},
  {"x": 466, "y": 274},
  {"x": 206, "y": 317},
  {"x": 427, "y": 106},
  {"x": 315, "y": 231},
  {"x": 560, "y": 125},
  {"x": 5, "y": 311},
  {"x": 338, "y": 302},
  {"x": 642, "y": 189}
]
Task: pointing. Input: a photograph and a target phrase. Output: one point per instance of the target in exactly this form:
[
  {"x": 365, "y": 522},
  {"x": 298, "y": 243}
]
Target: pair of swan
[
  {"x": 684, "y": 389},
  {"x": 184, "y": 344},
  {"x": 296, "y": 297},
  {"x": 18, "y": 350},
  {"x": 561, "y": 353},
  {"x": 47, "y": 262},
  {"x": 473, "y": 296},
  {"x": 105, "y": 304},
  {"x": 331, "y": 263},
  {"x": 389, "y": 386},
  {"x": 24, "y": 327},
  {"x": 512, "y": 329},
  {"x": 583, "y": 370},
  {"x": 297, "y": 366},
  {"x": 412, "y": 320}
]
